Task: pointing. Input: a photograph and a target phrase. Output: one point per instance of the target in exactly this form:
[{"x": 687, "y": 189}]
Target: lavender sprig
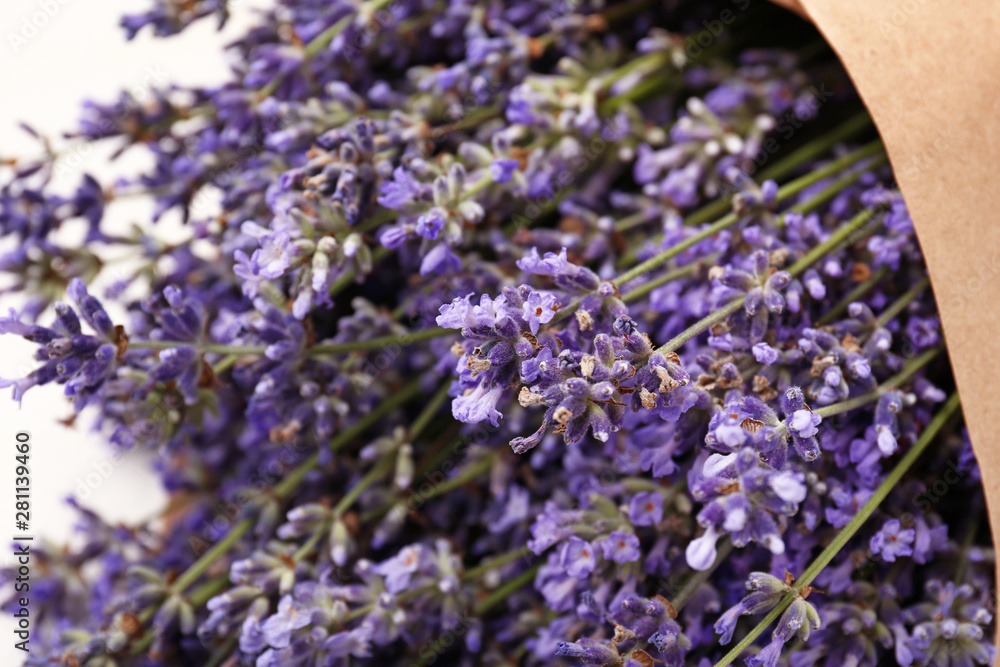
[
  {"x": 844, "y": 536},
  {"x": 668, "y": 375}
]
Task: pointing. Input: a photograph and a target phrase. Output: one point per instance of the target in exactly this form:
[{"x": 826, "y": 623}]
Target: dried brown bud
[
  {"x": 762, "y": 387},
  {"x": 860, "y": 272},
  {"x": 562, "y": 415},
  {"x": 850, "y": 343},
  {"x": 477, "y": 365},
  {"x": 527, "y": 398},
  {"x": 131, "y": 625},
  {"x": 648, "y": 398}
]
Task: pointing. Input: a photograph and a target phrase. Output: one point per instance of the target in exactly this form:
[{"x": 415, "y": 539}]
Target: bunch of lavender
[{"x": 525, "y": 332}]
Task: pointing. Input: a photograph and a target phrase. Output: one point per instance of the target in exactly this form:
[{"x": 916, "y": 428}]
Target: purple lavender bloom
[
  {"x": 765, "y": 354},
  {"x": 646, "y": 509},
  {"x": 431, "y": 223},
  {"x": 621, "y": 547},
  {"x": 170, "y": 17},
  {"x": 356, "y": 643},
  {"x": 768, "y": 656},
  {"x": 565, "y": 274},
  {"x": 403, "y": 189},
  {"x": 91, "y": 310},
  {"x": 503, "y": 170},
  {"x": 539, "y": 308},
  {"x": 478, "y": 405},
  {"x": 248, "y": 271},
  {"x": 578, "y": 557},
  {"x": 274, "y": 256},
  {"x": 181, "y": 364},
  {"x": 761, "y": 289},
  {"x": 846, "y": 506},
  {"x": 399, "y": 569},
  {"x": 590, "y": 652},
  {"x": 82, "y": 362},
  {"x": 374, "y": 169},
  {"x": 702, "y": 551},
  {"x": 804, "y": 423},
  {"x": 886, "y": 421},
  {"x": 277, "y": 630},
  {"x": 893, "y": 541}
]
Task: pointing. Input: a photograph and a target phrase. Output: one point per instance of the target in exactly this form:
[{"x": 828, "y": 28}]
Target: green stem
[
  {"x": 376, "y": 221},
  {"x": 236, "y": 351},
  {"x": 322, "y": 40},
  {"x": 429, "y": 411},
  {"x": 309, "y": 544},
  {"x": 844, "y": 233},
  {"x": 209, "y": 589},
  {"x": 494, "y": 563},
  {"x": 380, "y": 342},
  {"x": 787, "y": 165},
  {"x": 649, "y": 62},
  {"x": 634, "y": 220},
  {"x": 817, "y": 147},
  {"x": 224, "y": 652},
  {"x": 502, "y": 593},
  {"x": 226, "y": 363},
  {"x": 623, "y": 10},
  {"x": 852, "y": 296},
  {"x": 700, "y": 326},
  {"x": 901, "y": 303},
  {"x": 642, "y": 90},
  {"x": 848, "y": 532},
  {"x": 470, "y": 121},
  {"x": 473, "y": 471},
  {"x": 213, "y": 348},
  {"x": 831, "y": 191},
  {"x": 669, "y": 276},
  {"x": 477, "y": 187},
  {"x": 376, "y": 473},
  {"x": 871, "y": 149},
  {"x": 200, "y": 566},
  {"x": 658, "y": 260}
]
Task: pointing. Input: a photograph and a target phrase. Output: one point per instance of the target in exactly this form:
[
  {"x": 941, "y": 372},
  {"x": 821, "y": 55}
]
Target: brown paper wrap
[{"x": 928, "y": 72}]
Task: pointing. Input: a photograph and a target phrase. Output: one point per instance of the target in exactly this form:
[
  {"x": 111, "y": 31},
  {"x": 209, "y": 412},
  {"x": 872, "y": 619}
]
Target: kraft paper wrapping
[{"x": 928, "y": 72}]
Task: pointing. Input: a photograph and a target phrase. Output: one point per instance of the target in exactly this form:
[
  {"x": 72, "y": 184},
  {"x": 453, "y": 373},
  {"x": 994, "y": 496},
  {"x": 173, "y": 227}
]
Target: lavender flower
[{"x": 550, "y": 215}]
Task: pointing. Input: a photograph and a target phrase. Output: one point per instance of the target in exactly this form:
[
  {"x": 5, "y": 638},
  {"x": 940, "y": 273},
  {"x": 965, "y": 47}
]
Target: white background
[{"x": 72, "y": 50}]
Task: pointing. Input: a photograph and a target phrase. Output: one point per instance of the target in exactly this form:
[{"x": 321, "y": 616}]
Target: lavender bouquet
[{"x": 524, "y": 332}]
